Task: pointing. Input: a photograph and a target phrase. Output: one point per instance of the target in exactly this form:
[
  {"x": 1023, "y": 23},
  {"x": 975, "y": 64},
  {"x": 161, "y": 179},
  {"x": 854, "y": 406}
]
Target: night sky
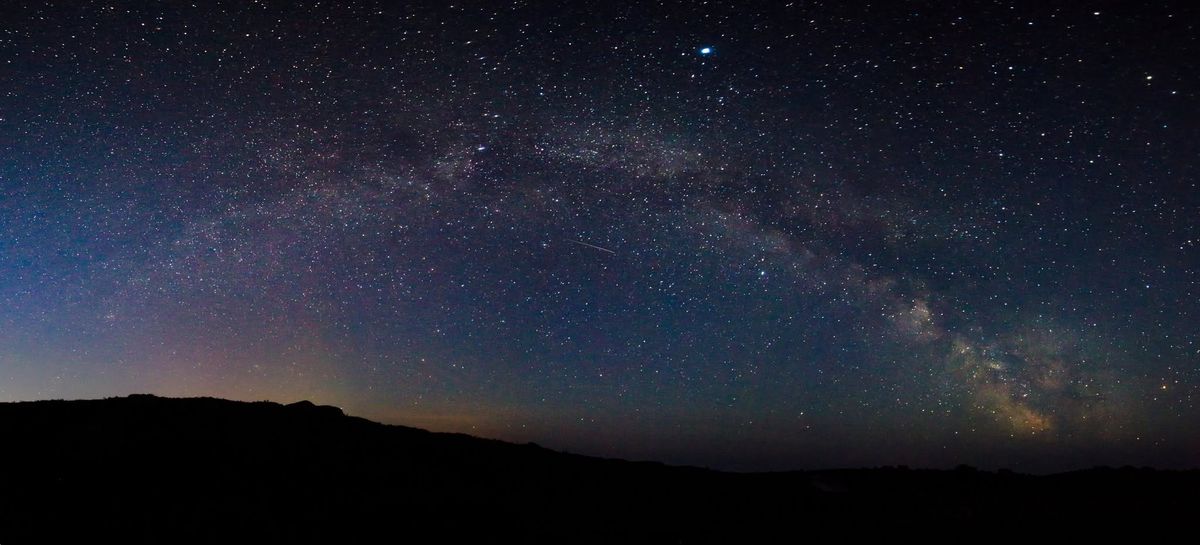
[{"x": 761, "y": 236}]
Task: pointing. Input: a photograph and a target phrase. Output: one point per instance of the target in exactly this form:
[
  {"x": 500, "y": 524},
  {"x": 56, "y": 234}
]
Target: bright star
[{"x": 705, "y": 50}]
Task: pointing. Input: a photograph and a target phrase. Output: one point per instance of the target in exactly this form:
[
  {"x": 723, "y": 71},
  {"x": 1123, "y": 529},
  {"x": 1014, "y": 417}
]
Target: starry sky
[{"x": 760, "y": 235}]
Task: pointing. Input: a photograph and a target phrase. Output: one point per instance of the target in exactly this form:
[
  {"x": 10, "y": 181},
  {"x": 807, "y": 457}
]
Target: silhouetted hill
[{"x": 150, "y": 469}]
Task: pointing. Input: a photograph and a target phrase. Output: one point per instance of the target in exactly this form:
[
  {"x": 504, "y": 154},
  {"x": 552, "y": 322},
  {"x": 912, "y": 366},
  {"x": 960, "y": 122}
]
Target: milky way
[{"x": 750, "y": 237}]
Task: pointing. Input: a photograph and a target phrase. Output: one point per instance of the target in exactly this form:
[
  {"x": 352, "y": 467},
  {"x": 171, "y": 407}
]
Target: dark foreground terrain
[{"x": 150, "y": 469}]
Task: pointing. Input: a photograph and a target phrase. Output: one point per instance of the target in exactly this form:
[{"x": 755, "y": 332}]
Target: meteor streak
[{"x": 582, "y": 243}]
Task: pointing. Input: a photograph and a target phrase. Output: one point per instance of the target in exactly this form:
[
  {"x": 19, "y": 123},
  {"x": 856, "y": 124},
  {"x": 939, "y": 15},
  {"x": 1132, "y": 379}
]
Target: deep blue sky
[{"x": 844, "y": 234}]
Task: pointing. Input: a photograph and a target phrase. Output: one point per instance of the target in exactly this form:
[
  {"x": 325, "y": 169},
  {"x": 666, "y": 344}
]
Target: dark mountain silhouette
[{"x": 151, "y": 469}]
